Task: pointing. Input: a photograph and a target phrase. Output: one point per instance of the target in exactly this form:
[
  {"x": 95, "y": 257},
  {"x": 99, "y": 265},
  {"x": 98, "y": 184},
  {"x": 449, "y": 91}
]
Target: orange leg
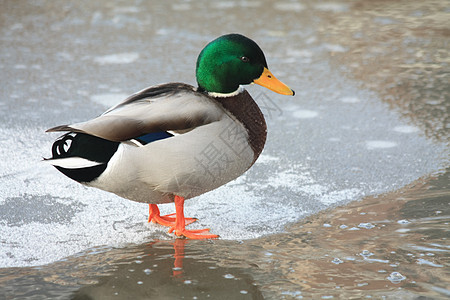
[
  {"x": 167, "y": 220},
  {"x": 180, "y": 223}
]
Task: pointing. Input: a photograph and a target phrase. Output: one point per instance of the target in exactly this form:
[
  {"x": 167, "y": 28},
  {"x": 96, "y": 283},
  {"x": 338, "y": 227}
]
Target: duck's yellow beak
[{"x": 269, "y": 81}]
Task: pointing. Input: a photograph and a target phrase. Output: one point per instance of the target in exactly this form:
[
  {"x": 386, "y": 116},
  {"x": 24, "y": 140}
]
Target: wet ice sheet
[{"x": 330, "y": 144}]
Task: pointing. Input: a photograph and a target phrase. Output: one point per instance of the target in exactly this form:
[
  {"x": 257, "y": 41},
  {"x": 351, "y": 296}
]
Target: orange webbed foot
[
  {"x": 194, "y": 234},
  {"x": 179, "y": 228},
  {"x": 166, "y": 220},
  {"x": 177, "y": 222}
]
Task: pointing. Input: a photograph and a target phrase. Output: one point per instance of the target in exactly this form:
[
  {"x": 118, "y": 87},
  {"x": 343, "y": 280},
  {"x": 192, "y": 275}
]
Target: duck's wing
[{"x": 167, "y": 107}]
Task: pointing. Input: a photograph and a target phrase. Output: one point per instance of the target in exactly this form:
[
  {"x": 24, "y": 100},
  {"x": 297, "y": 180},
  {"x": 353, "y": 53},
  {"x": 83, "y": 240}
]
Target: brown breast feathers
[{"x": 245, "y": 109}]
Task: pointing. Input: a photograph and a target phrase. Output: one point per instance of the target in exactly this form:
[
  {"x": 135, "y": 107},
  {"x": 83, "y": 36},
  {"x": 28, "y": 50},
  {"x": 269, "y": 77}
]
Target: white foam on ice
[
  {"x": 350, "y": 100},
  {"x": 118, "y": 58},
  {"x": 380, "y": 144},
  {"x": 333, "y": 7},
  {"x": 289, "y": 6},
  {"x": 335, "y": 48},
  {"x": 406, "y": 129},
  {"x": 305, "y": 114}
]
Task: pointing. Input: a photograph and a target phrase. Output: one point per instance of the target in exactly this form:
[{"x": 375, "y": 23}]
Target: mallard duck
[{"x": 172, "y": 142}]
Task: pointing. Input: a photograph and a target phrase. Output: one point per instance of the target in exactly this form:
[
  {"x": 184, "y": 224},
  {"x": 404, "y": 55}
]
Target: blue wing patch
[{"x": 153, "y": 136}]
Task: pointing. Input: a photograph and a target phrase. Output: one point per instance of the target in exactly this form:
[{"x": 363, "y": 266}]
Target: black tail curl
[{"x": 86, "y": 146}]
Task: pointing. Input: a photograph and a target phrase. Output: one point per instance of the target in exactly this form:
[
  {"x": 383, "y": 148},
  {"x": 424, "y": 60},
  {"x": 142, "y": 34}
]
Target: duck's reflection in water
[{"x": 166, "y": 270}]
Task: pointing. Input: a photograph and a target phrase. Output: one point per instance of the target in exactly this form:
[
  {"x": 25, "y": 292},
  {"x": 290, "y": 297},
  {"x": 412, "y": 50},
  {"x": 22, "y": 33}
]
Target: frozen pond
[{"x": 369, "y": 122}]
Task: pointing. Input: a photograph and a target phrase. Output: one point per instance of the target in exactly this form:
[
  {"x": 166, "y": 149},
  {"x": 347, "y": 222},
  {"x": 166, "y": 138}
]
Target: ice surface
[
  {"x": 350, "y": 100},
  {"x": 406, "y": 129},
  {"x": 119, "y": 58},
  {"x": 289, "y": 6},
  {"x": 305, "y": 114},
  {"x": 330, "y": 144},
  {"x": 380, "y": 144},
  {"x": 108, "y": 99}
]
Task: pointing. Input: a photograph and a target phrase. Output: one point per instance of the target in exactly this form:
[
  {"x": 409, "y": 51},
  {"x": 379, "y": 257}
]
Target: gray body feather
[{"x": 212, "y": 146}]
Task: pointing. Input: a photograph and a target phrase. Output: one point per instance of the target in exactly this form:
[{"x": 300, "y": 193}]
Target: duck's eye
[{"x": 245, "y": 59}]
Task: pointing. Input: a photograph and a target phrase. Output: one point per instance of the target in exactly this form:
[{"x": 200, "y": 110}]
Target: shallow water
[{"x": 350, "y": 198}]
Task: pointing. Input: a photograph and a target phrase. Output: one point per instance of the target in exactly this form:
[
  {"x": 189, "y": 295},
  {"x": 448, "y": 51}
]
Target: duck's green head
[{"x": 233, "y": 60}]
